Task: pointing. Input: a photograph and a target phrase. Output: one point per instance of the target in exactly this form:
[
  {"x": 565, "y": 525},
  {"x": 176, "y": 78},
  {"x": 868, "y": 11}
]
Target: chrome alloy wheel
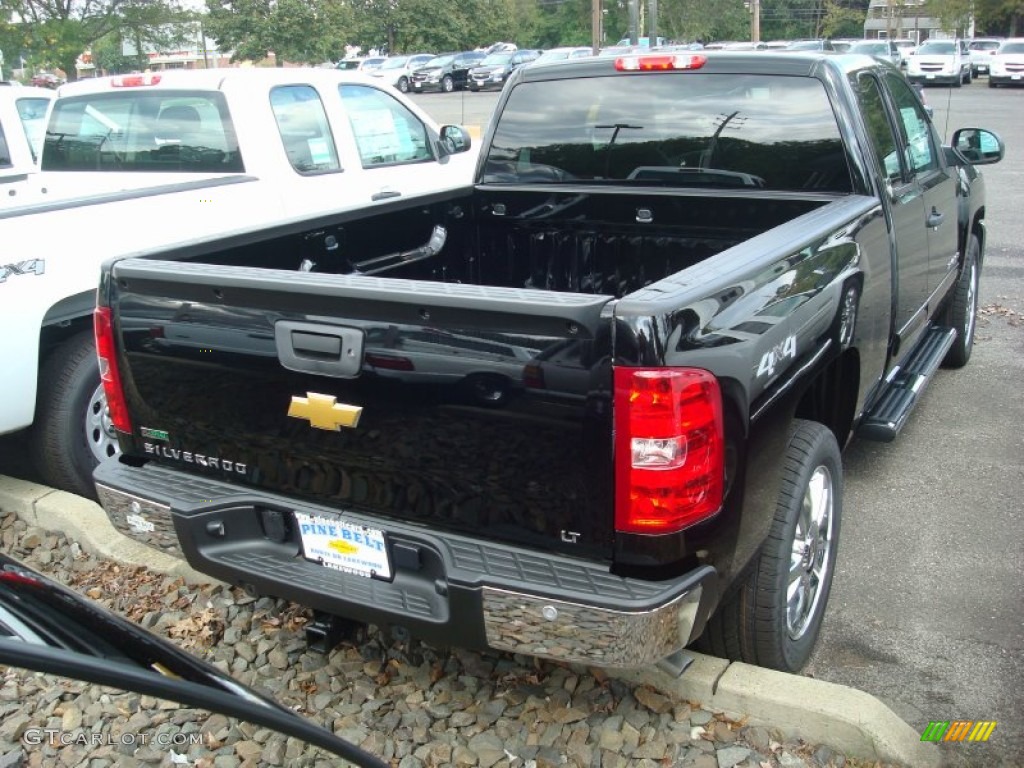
[
  {"x": 99, "y": 430},
  {"x": 812, "y": 553}
]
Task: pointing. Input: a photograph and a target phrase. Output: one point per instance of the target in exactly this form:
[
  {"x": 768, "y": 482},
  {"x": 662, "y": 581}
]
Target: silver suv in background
[
  {"x": 885, "y": 50},
  {"x": 981, "y": 50},
  {"x": 940, "y": 62},
  {"x": 1007, "y": 66},
  {"x": 397, "y": 70}
]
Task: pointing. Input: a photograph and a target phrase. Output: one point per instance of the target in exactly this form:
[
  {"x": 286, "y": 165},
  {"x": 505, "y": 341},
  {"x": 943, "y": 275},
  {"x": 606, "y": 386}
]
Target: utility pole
[
  {"x": 652, "y": 13},
  {"x": 634, "y": 21},
  {"x": 755, "y": 21},
  {"x": 596, "y": 17}
]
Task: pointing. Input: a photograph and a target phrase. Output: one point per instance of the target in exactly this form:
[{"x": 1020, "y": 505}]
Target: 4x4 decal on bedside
[{"x": 30, "y": 267}]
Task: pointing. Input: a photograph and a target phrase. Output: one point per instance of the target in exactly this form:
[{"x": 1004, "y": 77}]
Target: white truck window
[
  {"x": 33, "y": 119},
  {"x": 139, "y": 130},
  {"x": 305, "y": 131},
  {"x": 386, "y": 132}
]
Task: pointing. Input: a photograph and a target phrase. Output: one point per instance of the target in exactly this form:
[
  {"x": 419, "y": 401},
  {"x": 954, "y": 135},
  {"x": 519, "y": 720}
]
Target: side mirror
[
  {"x": 455, "y": 139},
  {"x": 978, "y": 146}
]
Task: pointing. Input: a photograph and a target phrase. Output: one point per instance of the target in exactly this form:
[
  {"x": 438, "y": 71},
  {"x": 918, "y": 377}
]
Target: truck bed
[{"x": 485, "y": 382}]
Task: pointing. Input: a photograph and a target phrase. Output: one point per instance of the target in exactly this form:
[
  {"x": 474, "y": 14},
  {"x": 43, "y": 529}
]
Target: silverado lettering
[
  {"x": 601, "y": 421},
  {"x": 188, "y": 457}
]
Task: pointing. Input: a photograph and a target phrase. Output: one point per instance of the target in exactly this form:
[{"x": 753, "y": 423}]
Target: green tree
[
  {"x": 999, "y": 17},
  {"x": 842, "y": 21},
  {"x": 56, "y": 32},
  {"x": 293, "y": 30},
  {"x": 704, "y": 20},
  {"x": 953, "y": 15}
]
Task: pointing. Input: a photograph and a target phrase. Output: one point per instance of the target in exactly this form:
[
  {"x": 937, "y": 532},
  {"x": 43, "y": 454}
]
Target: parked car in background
[
  {"x": 352, "y": 63},
  {"x": 447, "y": 72},
  {"x": 564, "y": 52},
  {"x": 362, "y": 63},
  {"x": 494, "y": 70},
  {"x": 643, "y": 42},
  {"x": 809, "y": 45},
  {"x": 372, "y": 63},
  {"x": 842, "y": 46},
  {"x": 906, "y": 48},
  {"x": 397, "y": 70},
  {"x": 886, "y": 50},
  {"x": 1007, "y": 64},
  {"x": 940, "y": 62},
  {"x": 980, "y": 51},
  {"x": 46, "y": 80},
  {"x": 745, "y": 45}
]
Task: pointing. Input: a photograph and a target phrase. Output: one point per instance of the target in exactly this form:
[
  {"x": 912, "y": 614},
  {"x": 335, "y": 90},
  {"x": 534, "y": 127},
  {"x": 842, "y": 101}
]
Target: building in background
[{"x": 904, "y": 20}]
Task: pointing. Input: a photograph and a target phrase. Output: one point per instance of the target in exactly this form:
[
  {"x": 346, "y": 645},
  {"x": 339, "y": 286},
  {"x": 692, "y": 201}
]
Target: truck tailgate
[{"x": 459, "y": 407}]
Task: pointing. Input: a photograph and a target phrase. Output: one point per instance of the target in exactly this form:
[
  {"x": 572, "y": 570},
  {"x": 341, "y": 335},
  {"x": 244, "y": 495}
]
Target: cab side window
[
  {"x": 5, "y": 154},
  {"x": 386, "y": 132},
  {"x": 304, "y": 128},
  {"x": 921, "y": 152},
  {"x": 880, "y": 130}
]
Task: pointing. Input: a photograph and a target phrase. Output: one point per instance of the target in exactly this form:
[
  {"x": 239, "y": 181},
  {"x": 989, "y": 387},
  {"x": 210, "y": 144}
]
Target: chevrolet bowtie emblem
[{"x": 324, "y": 411}]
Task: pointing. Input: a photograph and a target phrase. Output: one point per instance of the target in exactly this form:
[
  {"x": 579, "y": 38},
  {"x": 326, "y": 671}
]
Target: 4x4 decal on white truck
[{"x": 30, "y": 267}]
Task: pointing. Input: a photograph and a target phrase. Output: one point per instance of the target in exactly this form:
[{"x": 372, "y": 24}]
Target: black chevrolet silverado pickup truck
[{"x": 588, "y": 408}]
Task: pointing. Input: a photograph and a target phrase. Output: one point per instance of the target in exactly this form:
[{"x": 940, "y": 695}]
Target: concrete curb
[
  {"x": 844, "y": 719},
  {"x": 85, "y": 521}
]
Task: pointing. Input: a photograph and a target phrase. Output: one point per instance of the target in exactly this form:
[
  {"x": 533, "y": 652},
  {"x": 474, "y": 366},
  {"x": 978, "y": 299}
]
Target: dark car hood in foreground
[{"x": 49, "y": 628}]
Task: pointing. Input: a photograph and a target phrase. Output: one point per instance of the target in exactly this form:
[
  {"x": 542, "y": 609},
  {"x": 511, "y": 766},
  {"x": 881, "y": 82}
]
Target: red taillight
[
  {"x": 669, "y": 449},
  {"x": 134, "y": 81},
  {"x": 533, "y": 376},
  {"x": 109, "y": 373},
  {"x": 654, "y": 62}
]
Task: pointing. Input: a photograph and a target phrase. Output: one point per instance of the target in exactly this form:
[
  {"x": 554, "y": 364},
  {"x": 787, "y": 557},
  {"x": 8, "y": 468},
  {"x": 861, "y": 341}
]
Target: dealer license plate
[{"x": 334, "y": 543}]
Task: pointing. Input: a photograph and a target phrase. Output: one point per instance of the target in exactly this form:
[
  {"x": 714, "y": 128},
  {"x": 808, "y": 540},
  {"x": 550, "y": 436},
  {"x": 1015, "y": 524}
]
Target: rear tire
[
  {"x": 71, "y": 432},
  {"x": 447, "y": 84},
  {"x": 774, "y": 618},
  {"x": 403, "y": 84},
  {"x": 962, "y": 310}
]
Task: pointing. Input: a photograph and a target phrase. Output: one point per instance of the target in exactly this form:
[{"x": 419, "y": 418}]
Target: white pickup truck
[
  {"x": 176, "y": 156},
  {"x": 22, "y": 123}
]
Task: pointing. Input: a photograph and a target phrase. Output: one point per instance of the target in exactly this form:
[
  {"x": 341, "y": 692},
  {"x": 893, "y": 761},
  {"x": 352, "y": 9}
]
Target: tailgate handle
[{"x": 328, "y": 350}]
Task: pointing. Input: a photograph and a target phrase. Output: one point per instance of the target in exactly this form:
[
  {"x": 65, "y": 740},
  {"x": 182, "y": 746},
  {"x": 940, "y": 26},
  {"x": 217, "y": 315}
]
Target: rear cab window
[
  {"x": 148, "y": 131},
  {"x": 762, "y": 131},
  {"x": 304, "y": 128}
]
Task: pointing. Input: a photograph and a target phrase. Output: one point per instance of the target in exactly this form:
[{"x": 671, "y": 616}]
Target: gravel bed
[{"x": 404, "y": 701}]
